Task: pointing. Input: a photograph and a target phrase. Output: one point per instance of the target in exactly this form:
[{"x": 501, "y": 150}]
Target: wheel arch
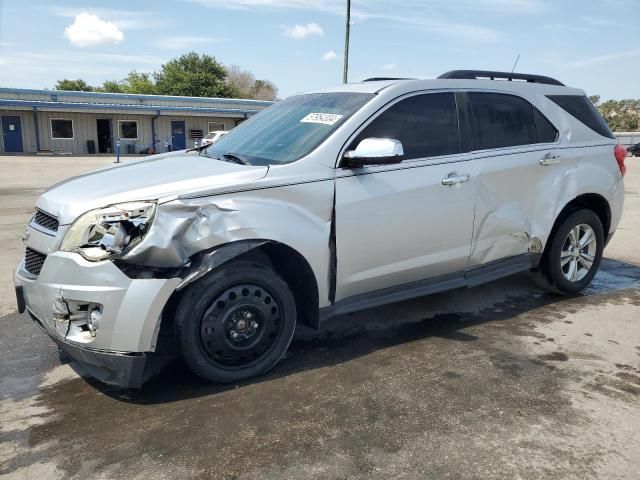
[
  {"x": 286, "y": 261},
  {"x": 591, "y": 201}
]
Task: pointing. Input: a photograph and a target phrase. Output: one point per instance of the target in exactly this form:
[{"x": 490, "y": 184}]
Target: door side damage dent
[
  {"x": 504, "y": 232},
  {"x": 505, "y": 227}
]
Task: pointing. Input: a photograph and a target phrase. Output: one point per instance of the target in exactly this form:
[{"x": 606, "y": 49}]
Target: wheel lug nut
[
  {"x": 248, "y": 315},
  {"x": 234, "y": 334},
  {"x": 254, "y": 325}
]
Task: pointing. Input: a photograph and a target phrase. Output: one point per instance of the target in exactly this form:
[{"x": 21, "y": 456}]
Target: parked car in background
[
  {"x": 213, "y": 137},
  {"x": 634, "y": 150},
  {"x": 325, "y": 203}
]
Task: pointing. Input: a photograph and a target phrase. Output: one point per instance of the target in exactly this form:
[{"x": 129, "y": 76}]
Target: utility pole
[{"x": 345, "y": 74}]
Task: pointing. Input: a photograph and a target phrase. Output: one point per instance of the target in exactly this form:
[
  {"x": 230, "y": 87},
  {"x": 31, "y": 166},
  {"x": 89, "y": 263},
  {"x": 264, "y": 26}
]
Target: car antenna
[{"x": 514, "y": 65}]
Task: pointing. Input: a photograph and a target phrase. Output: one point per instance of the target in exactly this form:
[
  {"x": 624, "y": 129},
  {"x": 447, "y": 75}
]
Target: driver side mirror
[{"x": 374, "y": 151}]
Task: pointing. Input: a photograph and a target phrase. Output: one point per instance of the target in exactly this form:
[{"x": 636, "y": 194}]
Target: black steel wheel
[
  {"x": 241, "y": 325},
  {"x": 236, "y": 322}
]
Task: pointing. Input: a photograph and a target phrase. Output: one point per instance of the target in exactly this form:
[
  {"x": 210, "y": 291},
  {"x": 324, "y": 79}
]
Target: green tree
[
  {"x": 620, "y": 115},
  {"x": 264, "y": 90},
  {"x": 78, "y": 85},
  {"x": 140, "y": 83},
  {"x": 112, "y": 86},
  {"x": 191, "y": 75},
  {"x": 194, "y": 75}
]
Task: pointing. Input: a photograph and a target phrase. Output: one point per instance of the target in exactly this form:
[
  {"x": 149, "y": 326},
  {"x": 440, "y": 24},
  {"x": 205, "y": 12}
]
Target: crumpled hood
[{"x": 151, "y": 178}]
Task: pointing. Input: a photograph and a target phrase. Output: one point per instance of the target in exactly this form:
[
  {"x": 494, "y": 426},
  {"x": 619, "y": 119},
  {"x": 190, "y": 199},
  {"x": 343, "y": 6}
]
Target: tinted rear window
[
  {"x": 581, "y": 107},
  {"x": 547, "y": 133},
  {"x": 502, "y": 120}
]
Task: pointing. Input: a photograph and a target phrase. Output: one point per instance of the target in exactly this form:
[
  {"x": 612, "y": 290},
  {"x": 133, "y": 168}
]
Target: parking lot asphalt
[{"x": 499, "y": 381}]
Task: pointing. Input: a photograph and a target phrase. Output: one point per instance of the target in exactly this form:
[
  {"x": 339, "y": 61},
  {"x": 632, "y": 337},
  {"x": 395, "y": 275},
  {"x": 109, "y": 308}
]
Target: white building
[{"x": 87, "y": 122}]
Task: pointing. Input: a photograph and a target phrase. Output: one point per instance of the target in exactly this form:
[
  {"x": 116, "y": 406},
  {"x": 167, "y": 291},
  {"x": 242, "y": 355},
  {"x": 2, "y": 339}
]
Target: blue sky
[{"x": 298, "y": 44}]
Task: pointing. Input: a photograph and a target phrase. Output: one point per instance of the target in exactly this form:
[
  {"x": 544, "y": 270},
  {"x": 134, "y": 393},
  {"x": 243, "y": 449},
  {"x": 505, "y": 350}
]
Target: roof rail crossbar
[
  {"x": 491, "y": 75},
  {"x": 380, "y": 79}
]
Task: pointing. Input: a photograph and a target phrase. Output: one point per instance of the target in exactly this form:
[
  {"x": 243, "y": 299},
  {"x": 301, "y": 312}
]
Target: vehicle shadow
[{"x": 349, "y": 337}]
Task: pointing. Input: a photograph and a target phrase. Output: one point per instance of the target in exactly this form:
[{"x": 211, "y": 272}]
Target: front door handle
[
  {"x": 454, "y": 178},
  {"x": 550, "y": 159}
]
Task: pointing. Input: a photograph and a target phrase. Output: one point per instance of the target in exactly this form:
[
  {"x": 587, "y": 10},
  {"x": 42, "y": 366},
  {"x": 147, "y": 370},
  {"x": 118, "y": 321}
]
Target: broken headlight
[{"x": 109, "y": 232}]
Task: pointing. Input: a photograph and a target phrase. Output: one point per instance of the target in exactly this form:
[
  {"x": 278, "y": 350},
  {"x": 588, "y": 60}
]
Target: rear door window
[
  {"x": 502, "y": 120},
  {"x": 581, "y": 108},
  {"x": 547, "y": 133},
  {"x": 427, "y": 126}
]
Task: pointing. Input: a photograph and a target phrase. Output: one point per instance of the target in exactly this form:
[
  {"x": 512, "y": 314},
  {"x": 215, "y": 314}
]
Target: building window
[
  {"x": 61, "y": 129},
  {"x": 214, "y": 126},
  {"x": 128, "y": 129}
]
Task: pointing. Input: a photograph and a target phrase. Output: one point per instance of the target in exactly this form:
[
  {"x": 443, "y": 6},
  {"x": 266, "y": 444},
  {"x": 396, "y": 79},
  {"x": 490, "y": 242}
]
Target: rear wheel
[
  {"x": 575, "y": 251},
  {"x": 235, "y": 323}
]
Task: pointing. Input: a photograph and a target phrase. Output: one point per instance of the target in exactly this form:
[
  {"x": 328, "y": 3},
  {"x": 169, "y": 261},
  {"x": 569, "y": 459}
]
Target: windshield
[{"x": 289, "y": 129}]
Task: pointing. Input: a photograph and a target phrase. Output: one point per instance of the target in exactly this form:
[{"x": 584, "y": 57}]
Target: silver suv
[{"x": 326, "y": 203}]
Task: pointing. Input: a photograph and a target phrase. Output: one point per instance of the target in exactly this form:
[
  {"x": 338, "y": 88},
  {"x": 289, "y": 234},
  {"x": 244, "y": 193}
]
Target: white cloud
[
  {"x": 331, "y": 6},
  {"x": 37, "y": 69},
  {"x": 183, "y": 43},
  {"x": 303, "y": 31},
  {"x": 435, "y": 16},
  {"x": 389, "y": 67},
  {"x": 330, "y": 55},
  {"x": 88, "y": 30},
  {"x": 598, "y": 22},
  {"x": 432, "y": 16},
  {"x": 123, "y": 19},
  {"x": 599, "y": 59}
]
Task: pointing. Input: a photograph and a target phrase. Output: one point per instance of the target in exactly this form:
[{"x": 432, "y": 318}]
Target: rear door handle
[
  {"x": 454, "y": 178},
  {"x": 550, "y": 159}
]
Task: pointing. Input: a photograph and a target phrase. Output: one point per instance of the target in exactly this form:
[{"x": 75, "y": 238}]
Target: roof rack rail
[
  {"x": 491, "y": 75},
  {"x": 380, "y": 79}
]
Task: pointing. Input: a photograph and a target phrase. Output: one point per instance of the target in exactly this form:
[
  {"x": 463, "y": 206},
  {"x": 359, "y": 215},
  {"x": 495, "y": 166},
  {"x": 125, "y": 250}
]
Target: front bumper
[
  {"x": 117, "y": 369},
  {"x": 116, "y": 351}
]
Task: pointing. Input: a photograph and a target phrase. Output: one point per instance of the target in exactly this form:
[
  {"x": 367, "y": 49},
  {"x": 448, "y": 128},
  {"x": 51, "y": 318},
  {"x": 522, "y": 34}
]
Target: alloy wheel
[{"x": 578, "y": 252}]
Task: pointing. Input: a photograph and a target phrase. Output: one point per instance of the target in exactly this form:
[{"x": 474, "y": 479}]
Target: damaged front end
[
  {"x": 109, "y": 277},
  {"x": 191, "y": 236}
]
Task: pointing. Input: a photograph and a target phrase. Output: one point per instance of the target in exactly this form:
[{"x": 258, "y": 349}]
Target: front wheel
[
  {"x": 236, "y": 322},
  {"x": 575, "y": 252}
]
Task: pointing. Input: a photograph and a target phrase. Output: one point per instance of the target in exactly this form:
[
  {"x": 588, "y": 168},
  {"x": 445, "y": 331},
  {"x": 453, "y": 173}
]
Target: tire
[
  {"x": 235, "y": 323},
  {"x": 566, "y": 263}
]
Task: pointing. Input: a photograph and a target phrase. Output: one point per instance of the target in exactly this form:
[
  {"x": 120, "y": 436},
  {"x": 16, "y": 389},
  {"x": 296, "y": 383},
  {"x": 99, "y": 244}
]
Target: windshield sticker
[{"x": 322, "y": 118}]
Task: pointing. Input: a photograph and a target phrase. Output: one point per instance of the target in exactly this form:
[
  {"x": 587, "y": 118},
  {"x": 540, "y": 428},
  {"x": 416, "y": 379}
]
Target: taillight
[{"x": 621, "y": 154}]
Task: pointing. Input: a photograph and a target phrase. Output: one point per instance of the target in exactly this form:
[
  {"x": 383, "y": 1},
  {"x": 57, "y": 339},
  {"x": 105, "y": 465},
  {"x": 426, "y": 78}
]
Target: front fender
[
  {"x": 205, "y": 262},
  {"x": 298, "y": 216}
]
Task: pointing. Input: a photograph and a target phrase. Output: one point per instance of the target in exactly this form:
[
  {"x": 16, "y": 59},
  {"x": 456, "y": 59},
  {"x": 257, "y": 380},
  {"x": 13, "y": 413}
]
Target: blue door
[
  {"x": 12, "y": 134},
  {"x": 178, "y": 137}
]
